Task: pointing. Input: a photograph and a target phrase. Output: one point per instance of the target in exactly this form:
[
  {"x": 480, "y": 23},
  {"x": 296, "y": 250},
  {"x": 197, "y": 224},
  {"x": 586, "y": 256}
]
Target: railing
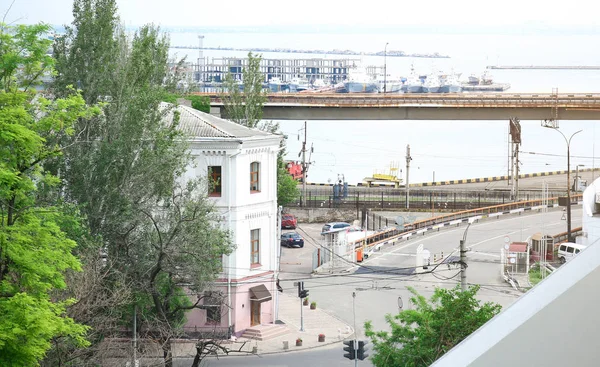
[
  {"x": 414, "y": 228},
  {"x": 420, "y": 199},
  {"x": 575, "y": 100}
]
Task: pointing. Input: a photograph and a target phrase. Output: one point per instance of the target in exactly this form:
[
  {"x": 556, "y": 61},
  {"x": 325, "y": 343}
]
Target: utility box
[{"x": 563, "y": 201}]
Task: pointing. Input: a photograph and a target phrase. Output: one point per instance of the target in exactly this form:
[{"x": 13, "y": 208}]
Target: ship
[
  {"x": 360, "y": 82},
  {"x": 277, "y": 85},
  {"x": 299, "y": 85},
  {"x": 432, "y": 84},
  {"x": 450, "y": 84}
]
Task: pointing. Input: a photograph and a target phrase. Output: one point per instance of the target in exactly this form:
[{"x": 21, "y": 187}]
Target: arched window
[{"x": 255, "y": 177}]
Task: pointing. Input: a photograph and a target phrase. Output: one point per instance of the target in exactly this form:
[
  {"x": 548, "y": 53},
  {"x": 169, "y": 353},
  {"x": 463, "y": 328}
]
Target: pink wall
[{"x": 240, "y": 312}]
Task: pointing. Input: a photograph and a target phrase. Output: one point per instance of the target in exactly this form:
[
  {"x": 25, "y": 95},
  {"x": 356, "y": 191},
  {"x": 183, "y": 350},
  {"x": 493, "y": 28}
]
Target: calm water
[{"x": 446, "y": 149}]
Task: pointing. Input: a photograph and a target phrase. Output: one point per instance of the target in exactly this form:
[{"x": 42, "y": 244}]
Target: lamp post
[
  {"x": 385, "y": 68},
  {"x": 568, "y": 141}
]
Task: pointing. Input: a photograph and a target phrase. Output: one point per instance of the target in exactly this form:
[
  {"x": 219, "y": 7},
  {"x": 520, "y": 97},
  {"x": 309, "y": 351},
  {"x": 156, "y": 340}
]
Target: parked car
[
  {"x": 334, "y": 227},
  {"x": 292, "y": 239},
  {"x": 288, "y": 221},
  {"x": 568, "y": 250}
]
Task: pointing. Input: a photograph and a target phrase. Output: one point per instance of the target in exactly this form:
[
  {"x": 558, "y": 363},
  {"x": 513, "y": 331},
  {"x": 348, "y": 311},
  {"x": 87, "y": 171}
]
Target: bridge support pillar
[{"x": 215, "y": 111}]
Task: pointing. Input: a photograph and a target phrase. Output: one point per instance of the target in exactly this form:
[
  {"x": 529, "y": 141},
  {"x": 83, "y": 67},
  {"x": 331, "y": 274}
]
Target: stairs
[{"x": 264, "y": 332}]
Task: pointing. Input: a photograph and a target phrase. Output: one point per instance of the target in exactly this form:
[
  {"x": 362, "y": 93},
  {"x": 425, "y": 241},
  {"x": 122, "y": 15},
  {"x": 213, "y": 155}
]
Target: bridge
[{"x": 459, "y": 106}]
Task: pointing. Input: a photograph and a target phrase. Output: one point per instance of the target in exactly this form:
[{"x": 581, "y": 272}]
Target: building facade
[{"x": 242, "y": 166}]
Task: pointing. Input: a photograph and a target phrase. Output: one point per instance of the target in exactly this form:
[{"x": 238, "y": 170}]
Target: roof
[
  {"x": 260, "y": 294},
  {"x": 203, "y": 125},
  {"x": 518, "y": 247}
]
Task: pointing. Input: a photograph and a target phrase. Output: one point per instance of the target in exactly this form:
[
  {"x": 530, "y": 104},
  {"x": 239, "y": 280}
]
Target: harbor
[{"x": 324, "y": 75}]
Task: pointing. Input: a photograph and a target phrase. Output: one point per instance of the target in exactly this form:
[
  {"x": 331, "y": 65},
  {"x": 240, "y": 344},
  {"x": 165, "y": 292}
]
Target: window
[
  {"x": 570, "y": 250},
  {"x": 254, "y": 177},
  {"x": 214, "y": 181},
  {"x": 255, "y": 247},
  {"x": 212, "y": 305}
]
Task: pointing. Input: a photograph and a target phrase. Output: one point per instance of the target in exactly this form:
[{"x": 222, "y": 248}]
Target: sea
[{"x": 440, "y": 150}]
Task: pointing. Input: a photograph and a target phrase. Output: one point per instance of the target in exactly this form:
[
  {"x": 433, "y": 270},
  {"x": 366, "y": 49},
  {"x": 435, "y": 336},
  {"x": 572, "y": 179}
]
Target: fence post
[
  {"x": 454, "y": 201},
  {"x": 309, "y": 198},
  {"x": 382, "y": 200},
  {"x": 479, "y": 200}
]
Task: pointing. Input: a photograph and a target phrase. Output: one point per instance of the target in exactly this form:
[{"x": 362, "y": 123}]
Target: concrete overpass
[{"x": 459, "y": 106}]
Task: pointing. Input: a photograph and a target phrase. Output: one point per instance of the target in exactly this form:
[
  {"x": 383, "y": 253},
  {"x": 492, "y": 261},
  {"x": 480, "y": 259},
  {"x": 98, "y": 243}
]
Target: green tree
[
  {"x": 125, "y": 171},
  {"x": 246, "y": 107},
  {"x": 200, "y": 103},
  {"x": 35, "y": 252},
  {"x": 287, "y": 187},
  {"x": 420, "y": 336}
]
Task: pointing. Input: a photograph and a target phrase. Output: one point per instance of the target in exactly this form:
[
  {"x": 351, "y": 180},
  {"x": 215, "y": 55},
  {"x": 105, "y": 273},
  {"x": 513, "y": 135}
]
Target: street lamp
[
  {"x": 568, "y": 141},
  {"x": 385, "y": 68}
]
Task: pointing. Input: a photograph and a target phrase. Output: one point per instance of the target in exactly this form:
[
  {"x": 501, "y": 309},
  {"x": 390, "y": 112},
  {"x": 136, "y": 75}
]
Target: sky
[{"x": 228, "y": 13}]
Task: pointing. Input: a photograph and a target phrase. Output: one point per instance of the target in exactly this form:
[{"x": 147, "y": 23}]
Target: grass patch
[{"x": 535, "y": 275}]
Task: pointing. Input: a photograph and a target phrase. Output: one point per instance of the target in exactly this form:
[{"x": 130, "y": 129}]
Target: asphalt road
[
  {"x": 330, "y": 356},
  {"x": 380, "y": 280}
]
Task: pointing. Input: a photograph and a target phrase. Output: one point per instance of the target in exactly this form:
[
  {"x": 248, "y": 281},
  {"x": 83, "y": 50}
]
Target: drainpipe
[{"x": 229, "y": 184}]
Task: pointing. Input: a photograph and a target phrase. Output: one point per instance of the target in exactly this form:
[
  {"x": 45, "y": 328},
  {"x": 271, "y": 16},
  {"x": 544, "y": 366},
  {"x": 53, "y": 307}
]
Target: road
[
  {"x": 381, "y": 279},
  {"x": 331, "y": 356}
]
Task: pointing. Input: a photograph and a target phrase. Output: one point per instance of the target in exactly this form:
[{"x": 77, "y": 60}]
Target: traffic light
[
  {"x": 349, "y": 347},
  {"x": 304, "y": 293},
  {"x": 362, "y": 349}
]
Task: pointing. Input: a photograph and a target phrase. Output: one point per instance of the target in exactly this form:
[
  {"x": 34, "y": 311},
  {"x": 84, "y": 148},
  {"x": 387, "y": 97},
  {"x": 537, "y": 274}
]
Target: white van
[{"x": 567, "y": 250}]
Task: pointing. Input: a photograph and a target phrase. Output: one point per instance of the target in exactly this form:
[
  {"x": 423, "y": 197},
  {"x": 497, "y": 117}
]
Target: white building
[
  {"x": 591, "y": 214},
  {"x": 243, "y": 165}
]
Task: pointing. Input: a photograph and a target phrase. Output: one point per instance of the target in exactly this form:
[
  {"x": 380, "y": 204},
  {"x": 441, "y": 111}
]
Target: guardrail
[
  {"x": 422, "y": 226},
  {"x": 575, "y": 100}
]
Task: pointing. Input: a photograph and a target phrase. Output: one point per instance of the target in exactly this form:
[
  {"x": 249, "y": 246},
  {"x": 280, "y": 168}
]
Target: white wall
[
  {"x": 242, "y": 210},
  {"x": 591, "y": 222}
]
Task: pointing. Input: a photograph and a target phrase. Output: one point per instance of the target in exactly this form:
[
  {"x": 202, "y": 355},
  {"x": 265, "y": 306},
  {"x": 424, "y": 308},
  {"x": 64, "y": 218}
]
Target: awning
[{"x": 260, "y": 294}]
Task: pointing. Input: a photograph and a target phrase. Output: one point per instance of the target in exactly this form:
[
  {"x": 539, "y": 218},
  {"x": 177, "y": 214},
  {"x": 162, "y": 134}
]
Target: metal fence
[{"x": 383, "y": 199}]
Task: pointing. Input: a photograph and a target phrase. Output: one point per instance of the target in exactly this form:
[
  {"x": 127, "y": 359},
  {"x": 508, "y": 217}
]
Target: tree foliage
[
  {"x": 35, "y": 252},
  {"x": 246, "y": 107},
  {"x": 125, "y": 168},
  {"x": 420, "y": 336}
]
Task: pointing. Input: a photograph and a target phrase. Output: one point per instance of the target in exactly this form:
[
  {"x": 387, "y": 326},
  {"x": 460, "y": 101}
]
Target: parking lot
[{"x": 298, "y": 261}]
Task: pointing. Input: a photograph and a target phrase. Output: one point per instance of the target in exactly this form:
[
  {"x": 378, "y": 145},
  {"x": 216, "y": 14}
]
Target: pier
[
  {"x": 544, "y": 67},
  {"x": 459, "y": 106},
  {"x": 391, "y": 53}
]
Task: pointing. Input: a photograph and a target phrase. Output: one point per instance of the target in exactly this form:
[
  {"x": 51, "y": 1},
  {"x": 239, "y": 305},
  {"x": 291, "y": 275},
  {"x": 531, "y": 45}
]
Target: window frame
[
  {"x": 255, "y": 177},
  {"x": 255, "y": 247},
  {"x": 213, "y": 311},
  {"x": 215, "y": 189}
]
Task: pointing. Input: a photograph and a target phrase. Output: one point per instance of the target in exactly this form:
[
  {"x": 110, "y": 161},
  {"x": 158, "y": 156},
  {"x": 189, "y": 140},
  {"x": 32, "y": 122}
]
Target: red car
[{"x": 288, "y": 221}]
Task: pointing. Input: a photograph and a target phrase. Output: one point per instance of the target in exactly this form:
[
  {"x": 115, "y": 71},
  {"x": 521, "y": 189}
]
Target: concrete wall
[{"x": 322, "y": 215}]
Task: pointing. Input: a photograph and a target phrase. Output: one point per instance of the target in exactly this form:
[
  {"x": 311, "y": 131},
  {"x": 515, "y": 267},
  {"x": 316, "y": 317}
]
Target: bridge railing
[
  {"x": 422, "y": 225},
  {"x": 454, "y": 99}
]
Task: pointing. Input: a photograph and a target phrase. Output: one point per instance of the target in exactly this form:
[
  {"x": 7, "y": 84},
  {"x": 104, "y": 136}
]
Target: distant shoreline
[{"x": 434, "y": 55}]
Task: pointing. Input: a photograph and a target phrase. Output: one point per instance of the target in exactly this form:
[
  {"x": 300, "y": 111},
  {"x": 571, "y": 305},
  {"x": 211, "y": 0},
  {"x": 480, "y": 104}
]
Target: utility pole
[
  {"x": 385, "y": 68},
  {"x": 463, "y": 260},
  {"x": 515, "y": 137},
  {"x": 355, "y": 336},
  {"x": 304, "y": 168},
  {"x": 408, "y": 159}
]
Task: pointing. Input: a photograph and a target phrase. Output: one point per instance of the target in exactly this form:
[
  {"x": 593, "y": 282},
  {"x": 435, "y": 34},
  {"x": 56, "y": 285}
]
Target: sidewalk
[{"x": 316, "y": 322}]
